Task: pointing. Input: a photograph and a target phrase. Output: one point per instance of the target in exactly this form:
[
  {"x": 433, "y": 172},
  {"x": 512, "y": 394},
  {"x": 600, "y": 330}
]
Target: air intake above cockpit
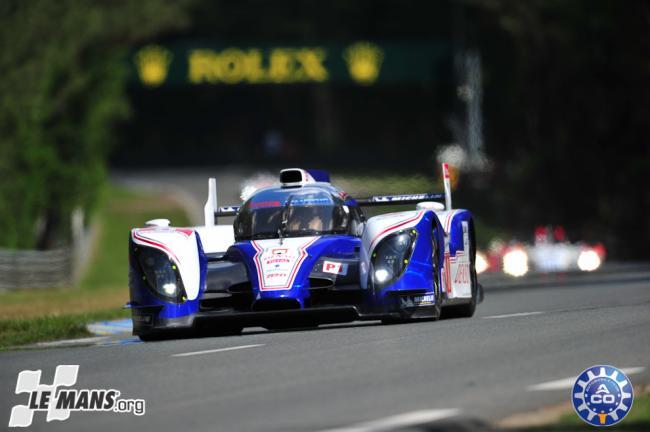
[{"x": 295, "y": 177}]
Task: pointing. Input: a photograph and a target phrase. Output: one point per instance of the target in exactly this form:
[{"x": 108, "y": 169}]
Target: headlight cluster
[
  {"x": 515, "y": 262},
  {"x": 390, "y": 257},
  {"x": 481, "y": 263},
  {"x": 589, "y": 260},
  {"x": 161, "y": 274}
]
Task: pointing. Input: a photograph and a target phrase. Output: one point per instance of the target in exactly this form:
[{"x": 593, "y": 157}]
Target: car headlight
[
  {"x": 390, "y": 257},
  {"x": 588, "y": 260},
  {"x": 481, "y": 263},
  {"x": 515, "y": 262},
  {"x": 161, "y": 274}
]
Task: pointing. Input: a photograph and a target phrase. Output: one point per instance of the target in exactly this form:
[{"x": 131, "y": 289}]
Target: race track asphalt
[{"x": 339, "y": 376}]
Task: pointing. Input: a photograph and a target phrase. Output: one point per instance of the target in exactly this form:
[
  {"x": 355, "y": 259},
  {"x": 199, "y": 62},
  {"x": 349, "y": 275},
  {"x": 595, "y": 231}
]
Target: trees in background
[
  {"x": 566, "y": 101},
  {"x": 567, "y": 110},
  {"x": 62, "y": 91}
]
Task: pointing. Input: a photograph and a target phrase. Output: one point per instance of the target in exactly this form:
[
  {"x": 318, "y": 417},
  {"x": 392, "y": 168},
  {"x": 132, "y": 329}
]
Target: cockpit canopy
[{"x": 297, "y": 213}]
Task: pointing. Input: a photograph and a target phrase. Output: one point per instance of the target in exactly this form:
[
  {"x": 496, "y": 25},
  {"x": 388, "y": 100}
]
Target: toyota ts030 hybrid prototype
[{"x": 301, "y": 254}]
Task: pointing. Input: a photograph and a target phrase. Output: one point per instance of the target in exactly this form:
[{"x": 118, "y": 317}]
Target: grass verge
[
  {"x": 29, "y": 316},
  {"x": 638, "y": 419}
]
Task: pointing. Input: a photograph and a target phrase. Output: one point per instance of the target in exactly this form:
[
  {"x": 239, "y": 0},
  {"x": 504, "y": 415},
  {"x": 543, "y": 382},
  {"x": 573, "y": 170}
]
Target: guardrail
[
  {"x": 35, "y": 268},
  {"x": 26, "y": 269}
]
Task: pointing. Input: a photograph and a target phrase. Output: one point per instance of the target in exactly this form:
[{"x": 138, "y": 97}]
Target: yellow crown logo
[
  {"x": 364, "y": 62},
  {"x": 153, "y": 63}
]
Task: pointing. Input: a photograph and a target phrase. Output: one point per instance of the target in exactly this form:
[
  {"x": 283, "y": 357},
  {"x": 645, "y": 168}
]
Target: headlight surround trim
[
  {"x": 388, "y": 267},
  {"x": 160, "y": 274}
]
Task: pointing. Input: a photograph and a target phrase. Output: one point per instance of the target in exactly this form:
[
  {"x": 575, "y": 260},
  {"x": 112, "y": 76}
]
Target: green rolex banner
[{"x": 360, "y": 63}]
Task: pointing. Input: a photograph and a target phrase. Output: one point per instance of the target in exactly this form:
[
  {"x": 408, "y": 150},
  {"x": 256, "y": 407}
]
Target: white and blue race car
[{"x": 301, "y": 254}]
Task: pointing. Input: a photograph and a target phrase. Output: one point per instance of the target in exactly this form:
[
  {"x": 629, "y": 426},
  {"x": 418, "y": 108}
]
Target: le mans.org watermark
[{"x": 58, "y": 400}]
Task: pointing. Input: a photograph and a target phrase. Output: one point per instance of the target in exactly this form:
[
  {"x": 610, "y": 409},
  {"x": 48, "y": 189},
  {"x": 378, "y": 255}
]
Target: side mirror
[
  {"x": 163, "y": 223},
  {"x": 211, "y": 204},
  {"x": 430, "y": 205}
]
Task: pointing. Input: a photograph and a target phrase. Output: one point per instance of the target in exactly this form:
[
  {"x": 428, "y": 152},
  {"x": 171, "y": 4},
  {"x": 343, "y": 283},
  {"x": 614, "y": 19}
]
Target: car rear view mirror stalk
[{"x": 211, "y": 204}]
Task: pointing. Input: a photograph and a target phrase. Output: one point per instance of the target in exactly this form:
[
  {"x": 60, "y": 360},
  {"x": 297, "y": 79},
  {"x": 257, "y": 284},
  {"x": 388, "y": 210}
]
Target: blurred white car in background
[{"x": 551, "y": 252}]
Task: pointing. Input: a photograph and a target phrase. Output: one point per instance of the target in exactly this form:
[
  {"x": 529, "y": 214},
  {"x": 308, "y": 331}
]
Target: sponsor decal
[
  {"x": 142, "y": 318},
  {"x": 277, "y": 267},
  {"x": 335, "y": 268},
  {"x": 602, "y": 395},
  {"x": 234, "y": 65},
  {"x": 392, "y": 198},
  {"x": 462, "y": 274},
  {"x": 413, "y": 301},
  {"x": 456, "y": 272},
  {"x": 58, "y": 400},
  {"x": 311, "y": 201},
  {"x": 460, "y": 277},
  {"x": 265, "y": 204},
  {"x": 412, "y": 197}
]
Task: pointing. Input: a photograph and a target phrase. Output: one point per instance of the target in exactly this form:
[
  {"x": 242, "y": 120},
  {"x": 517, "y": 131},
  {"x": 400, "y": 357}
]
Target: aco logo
[{"x": 602, "y": 395}]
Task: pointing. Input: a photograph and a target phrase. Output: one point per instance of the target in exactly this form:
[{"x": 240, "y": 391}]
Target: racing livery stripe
[
  {"x": 445, "y": 170},
  {"x": 447, "y": 273},
  {"x": 448, "y": 219},
  {"x": 459, "y": 254},
  {"x": 184, "y": 231},
  {"x": 394, "y": 227},
  {"x": 156, "y": 245}
]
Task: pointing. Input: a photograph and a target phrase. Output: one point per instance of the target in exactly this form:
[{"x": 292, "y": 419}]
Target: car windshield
[{"x": 304, "y": 213}]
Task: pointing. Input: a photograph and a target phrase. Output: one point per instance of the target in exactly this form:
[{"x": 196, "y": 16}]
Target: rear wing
[
  {"x": 382, "y": 200},
  {"x": 212, "y": 212},
  {"x": 385, "y": 200}
]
